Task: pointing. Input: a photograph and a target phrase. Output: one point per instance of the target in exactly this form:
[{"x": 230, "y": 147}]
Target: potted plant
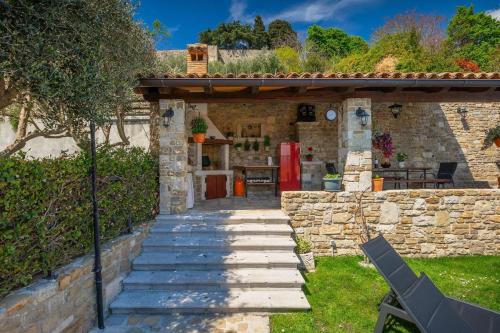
[
  {"x": 304, "y": 251},
  {"x": 332, "y": 181},
  {"x": 255, "y": 145},
  {"x": 247, "y": 145},
  {"x": 383, "y": 142},
  {"x": 377, "y": 183},
  {"x": 493, "y": 135},
  {"x": 230, "y": 135},
  {"x": 309, "y": 155},
  {"x": 401, "y": 157},
  {"x": 199, "y": 128},
  {"x": 238, "y": 146},
  {"x": 267, "y": 142}
]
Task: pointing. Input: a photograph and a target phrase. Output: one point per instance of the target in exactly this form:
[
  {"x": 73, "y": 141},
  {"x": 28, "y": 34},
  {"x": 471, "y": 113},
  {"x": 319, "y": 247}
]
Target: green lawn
[{"x": 344, "y": 296}]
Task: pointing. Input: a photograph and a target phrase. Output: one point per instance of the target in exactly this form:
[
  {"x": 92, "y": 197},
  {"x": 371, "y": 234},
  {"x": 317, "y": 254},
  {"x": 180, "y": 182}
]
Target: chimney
[{"x": 197, "y": 59}]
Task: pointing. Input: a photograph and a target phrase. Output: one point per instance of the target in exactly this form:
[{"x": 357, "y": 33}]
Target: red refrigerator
[{"x": 289, "y": 161}]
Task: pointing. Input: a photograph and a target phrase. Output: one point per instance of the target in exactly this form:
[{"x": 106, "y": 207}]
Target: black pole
[{"x": 97, "y": 245}]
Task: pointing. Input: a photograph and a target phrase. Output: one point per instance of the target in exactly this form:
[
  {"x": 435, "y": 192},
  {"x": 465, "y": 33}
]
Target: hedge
[{"x": 46, "y": 208}]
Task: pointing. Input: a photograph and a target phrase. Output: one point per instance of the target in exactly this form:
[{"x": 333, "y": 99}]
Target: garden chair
[
  {"x": 444, "y": 175},
  {"x": 418, "y": 300}
]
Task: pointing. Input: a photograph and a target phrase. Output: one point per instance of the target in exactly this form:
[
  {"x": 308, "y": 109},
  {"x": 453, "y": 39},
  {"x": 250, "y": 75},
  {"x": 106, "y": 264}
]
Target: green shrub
[
  {"x": 46, "y": 208},
  {"x": 303, "y": 245}
]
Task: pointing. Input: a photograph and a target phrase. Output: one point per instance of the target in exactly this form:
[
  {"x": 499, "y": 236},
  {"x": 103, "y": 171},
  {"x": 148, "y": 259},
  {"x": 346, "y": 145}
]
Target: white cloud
[
  {"x": 306, "y": 12},
  {"x": 317, "y": 10},
  {"x": 495, "y": 13},
  {"x": 237, "y": 11}
]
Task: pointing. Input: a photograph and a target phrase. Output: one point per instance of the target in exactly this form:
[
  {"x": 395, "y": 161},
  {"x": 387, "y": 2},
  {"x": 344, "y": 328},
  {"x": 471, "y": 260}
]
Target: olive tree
[{"x": 65, "y": 63}]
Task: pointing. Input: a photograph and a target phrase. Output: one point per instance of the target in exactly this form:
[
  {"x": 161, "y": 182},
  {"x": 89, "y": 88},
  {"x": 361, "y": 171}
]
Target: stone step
[
  {"x": 156, "y": 243},
  {"x": 211, "y": 260},
  {"x": 214, "y": 279},
  {"x": 208, "y": 229},
  {"x": 159, "y": 302},
  {"x": 269, "y": 217}
]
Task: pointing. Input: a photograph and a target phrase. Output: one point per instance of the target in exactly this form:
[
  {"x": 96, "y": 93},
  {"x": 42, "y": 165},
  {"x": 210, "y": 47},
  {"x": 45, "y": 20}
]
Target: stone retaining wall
[
  {"x": 423, "y": 223},
  {"x": 67, "y": 304}
]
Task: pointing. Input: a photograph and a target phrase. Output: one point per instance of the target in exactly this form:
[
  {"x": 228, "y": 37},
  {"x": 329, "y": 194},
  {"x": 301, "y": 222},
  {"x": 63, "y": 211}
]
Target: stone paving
[{"x": 237, "y": 323}]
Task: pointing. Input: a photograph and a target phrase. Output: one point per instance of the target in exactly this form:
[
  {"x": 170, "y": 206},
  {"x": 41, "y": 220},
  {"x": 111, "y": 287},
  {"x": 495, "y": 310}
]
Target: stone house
[
  {"x": 442, "y": 117},
  {"x": 430, "y": 129}
]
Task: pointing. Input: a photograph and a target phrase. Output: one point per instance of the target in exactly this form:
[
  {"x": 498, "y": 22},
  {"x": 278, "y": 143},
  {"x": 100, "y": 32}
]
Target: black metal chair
[
  {"x": 444, "y": 175},
  {"x": 419, "y": 301}
]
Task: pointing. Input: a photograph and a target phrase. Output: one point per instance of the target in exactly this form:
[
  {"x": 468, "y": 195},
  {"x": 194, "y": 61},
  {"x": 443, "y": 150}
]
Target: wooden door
[{"x": 216, "y": 187}]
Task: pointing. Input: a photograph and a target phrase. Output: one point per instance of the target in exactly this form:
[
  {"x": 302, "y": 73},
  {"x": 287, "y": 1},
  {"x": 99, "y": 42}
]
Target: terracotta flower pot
[
  {"x": 199, "y": 137},
  {"x": 377, "y": 184},
  {"x": 309, "y": 158},
  {"x": 497, "y": 142}
]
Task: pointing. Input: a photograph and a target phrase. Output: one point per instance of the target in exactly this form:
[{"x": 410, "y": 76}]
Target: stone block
[{"x": 389, "y": 213}]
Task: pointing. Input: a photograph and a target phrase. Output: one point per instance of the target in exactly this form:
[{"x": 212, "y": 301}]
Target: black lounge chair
[
  {"x": 444, "y": 175},
  {"x": 419, "y": 301}
]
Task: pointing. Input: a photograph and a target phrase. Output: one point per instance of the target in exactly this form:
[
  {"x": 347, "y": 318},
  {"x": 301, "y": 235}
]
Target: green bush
[{"x": 46, "y": 208}]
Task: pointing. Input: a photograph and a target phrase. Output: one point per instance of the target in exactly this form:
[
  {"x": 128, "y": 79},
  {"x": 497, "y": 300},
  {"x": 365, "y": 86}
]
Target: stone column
[
  {"x": 154, "y": 122},
  {"x": 173, "y": 159},
  {"x": 355, "y": 145}
]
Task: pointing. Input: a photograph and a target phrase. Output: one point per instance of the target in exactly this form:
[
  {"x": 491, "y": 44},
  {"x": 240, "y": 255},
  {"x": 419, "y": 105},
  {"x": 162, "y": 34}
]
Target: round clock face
[{"x": 331, "y": 115}]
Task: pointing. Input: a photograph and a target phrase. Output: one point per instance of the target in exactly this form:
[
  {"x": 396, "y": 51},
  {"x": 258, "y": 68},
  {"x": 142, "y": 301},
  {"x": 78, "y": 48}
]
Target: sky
[{"x": 185, "y": 19}]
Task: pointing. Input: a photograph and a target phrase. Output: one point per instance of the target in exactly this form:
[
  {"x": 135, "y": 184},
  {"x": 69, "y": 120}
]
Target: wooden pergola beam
[{"x": 434, "y": 94}]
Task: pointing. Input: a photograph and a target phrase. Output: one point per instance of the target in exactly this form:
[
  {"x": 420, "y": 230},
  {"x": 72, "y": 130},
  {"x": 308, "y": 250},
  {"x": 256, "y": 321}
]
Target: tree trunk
[
  {"x": 120, "y": 126},
  {"x": 154, "y": 128}
]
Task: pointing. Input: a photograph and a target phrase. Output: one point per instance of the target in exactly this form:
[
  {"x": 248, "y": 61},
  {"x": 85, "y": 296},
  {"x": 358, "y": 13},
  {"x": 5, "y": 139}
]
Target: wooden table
[
  {"x": 246, "y": 168},
  {"x": 407, "y": 172}
]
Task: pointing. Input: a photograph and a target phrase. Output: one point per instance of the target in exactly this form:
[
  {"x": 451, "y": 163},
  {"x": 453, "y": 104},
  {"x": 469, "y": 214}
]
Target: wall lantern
[
  {"x": 362, "y": 115},
  {"x": 396, "y": 109},
  {"x": 462, "y": 111},
  {"x": 167, "y": 116}
]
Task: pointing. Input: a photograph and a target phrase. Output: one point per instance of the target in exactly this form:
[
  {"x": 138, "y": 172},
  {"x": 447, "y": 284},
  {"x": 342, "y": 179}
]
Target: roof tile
[{"x": 358, "y": 75}]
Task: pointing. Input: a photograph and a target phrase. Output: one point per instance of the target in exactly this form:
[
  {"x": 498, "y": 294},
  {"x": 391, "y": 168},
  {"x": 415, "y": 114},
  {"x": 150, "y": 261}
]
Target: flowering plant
[
  {"x": 309, "y": 155},
  {"x": 383, "y": 142}
]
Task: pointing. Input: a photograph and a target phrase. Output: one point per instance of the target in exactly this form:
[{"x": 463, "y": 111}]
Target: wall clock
[{"x": 331, "y": 114}]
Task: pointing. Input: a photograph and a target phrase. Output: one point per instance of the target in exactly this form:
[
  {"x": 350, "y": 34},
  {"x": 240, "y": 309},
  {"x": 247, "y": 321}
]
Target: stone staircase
[{"x": 215, "y": 262}]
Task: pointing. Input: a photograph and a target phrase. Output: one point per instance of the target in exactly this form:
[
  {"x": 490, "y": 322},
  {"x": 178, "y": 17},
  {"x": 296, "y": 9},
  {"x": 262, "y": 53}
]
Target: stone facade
[
  {"x": 434, "y": 132},
  {"x": 67, "y": 304},
  {"x": 421, "y": 223},
  {"x": 173, "y": 159},
  {"x": 355, "y": 145}
]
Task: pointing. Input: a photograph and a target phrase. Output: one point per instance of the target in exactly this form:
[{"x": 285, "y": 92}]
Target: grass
[{"x": 344, "y": 296}]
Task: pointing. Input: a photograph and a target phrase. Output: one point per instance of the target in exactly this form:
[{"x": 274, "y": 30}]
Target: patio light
[
  {"x": 396, "y": 109},
  {"x": 362, "y": 115},
  {"x": 167, "y": 116},
  {"x": 462, "y": 111}
]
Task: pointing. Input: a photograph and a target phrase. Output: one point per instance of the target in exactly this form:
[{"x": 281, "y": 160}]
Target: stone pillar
[
  {"x": 355, "y": 145},
  {"x": 154, "y": 122},
  {"x": 173, "y": 159}
]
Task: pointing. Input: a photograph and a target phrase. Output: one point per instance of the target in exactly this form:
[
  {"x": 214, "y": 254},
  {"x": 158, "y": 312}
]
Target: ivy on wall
[{"x": 46, "y": 207}]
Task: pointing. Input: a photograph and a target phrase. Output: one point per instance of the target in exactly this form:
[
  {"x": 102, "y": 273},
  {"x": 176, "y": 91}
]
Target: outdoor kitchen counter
[{"x": 246, "y": 168}]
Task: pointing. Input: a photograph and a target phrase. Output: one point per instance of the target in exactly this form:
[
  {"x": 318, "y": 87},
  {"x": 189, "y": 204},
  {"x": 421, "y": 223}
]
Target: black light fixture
[
  {"x": 167, "y": 116},
  {"x": 462, "y": 111},
  {"x": 396, "y": 109},
  {"x": 362, "y": 115}
]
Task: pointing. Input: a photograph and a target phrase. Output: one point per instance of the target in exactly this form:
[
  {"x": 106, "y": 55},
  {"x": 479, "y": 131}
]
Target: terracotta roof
[{"x": 373, "y": 75}]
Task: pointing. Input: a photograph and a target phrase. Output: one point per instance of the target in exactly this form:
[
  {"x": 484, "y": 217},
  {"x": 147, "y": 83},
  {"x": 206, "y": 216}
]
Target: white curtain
[{"x": 190, "y": 191}]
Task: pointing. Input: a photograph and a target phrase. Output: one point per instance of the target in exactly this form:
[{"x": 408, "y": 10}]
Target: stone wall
[
  {"x": 173, "y": 159},
  {"x": 422, "y": 223},
  {"x": 434, "y": 132},
  {"x": 67, "y": 304}
]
